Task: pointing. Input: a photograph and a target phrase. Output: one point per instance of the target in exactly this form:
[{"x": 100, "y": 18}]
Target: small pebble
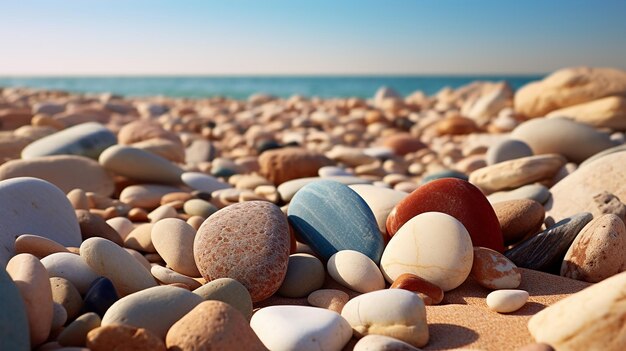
[{"x": 506, "y": 300}]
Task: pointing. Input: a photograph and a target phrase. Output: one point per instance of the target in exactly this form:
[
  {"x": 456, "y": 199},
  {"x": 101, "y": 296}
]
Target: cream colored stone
[
  {"x": 355, "y": 271},
  {"x": 506, "y": 300},
  {"x": 168, "y": 276},
  {"x": 608, "y": 112}
]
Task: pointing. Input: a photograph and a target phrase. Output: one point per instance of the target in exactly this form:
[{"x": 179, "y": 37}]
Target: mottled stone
[
  {"x": 430, "y": 293},
  {"x": 281, "y": 165},
  {"x": 123, "y": 337},
  {"x": 331, "y": 299},
  {"x": 493, "y": 270},
  {"x": 519, "y": 218}
]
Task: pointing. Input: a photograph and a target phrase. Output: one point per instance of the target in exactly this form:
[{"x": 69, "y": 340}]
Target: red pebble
[
  {"x": 459, "y": 199},
  {"x": 429, "y": 292}
]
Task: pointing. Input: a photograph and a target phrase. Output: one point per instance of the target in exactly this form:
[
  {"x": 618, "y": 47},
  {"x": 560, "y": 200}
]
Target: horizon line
[{"x": 261, "y": 75}]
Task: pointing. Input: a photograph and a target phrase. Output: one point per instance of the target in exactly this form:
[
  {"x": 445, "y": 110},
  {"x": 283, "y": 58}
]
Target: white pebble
[{"x": 507, "y": 300}]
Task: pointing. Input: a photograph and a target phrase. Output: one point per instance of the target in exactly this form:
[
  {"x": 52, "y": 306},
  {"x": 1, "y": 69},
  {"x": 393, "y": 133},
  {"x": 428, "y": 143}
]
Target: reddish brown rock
[
  {"x": 403, "y": 143},
  {"x": 248, "y": 242},
  {"x": 14, "y": 118},
  {"x": 455, "y": 197},
  {"x": 281, "y": 165},
  {"x": 429, "y": 292},
  {"x": 456, "y": 125},
  {"x": 123, "y": 337},
  {"x": 493, "y": 270},
  {"x": 519, "y": 218}
]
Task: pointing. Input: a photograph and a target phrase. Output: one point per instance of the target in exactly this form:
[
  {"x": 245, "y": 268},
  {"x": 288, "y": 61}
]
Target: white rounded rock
[
  {"x": 203, "y": 182},
  {"x": 300, "y": 328},
  {"x": 71, "y": 267},
  {"x": 173, "y": 240},
  {"x": 122, "y": 225},
  {"x": 380, "y": 200},
  {"x": 355, "y": 271},
  {"x": 434, "y": 246},
  {"x": 506, "y": 300}
]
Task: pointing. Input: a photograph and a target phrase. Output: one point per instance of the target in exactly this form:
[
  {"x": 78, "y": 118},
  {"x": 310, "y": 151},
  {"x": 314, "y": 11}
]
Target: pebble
[
  {"x": 123, "y": 337},
  {"x": 288, "y": 189},
  {"x": 122, "y": 225},
  {"x": 173, "y": 240},
  {"x": 493, "y": 270},
  {"x": 506, "y": 300},
  {"x": 607, "y": 203},
  {"x": 506, "y": 150},
  {"x": 305, "y": 274},
  {"x": 403, "y": 143},
  {"x": 536, "y": 192},
  {"x": 140, "y": 130},
  {"x": 203, "y": 182},
  {"x": 146, "y": 196},
  {"x": 355, "y": 271},
  {"x": 140, "y": 238},
  {"x": 248, "y": 242},
  {"x": 330, "y": 299},
  {"x": 230, "y": 291},
  {"x": 434, "y": 246},
  {"x": 170, "y": 150},
  {"x": 281, "y": 165},
  {"x": 38, "y": 208},
  {"x": 330, "y": 217},
  {"x": 75, "y": 334},
  {"x": 87, "y": 139},
  {"x": 536, "y": 347},
  {"x": 31, "y": 278},
  {"x": 66, "y": 294},
  {"x": 14, "y": 325},
  {"x": 168, "y": 276},
  {"x": 598, "y": 252},
  {"x": 430, "y": 293},
  {"x": 139, "y": 165},
  {"x": 155, "y": 309},
  {"x": 37, "y": 246},
  {"x": 59, "y": 317},
  {"x": 457, "y": 198},
  {"x": 111, "y": 261},
  {"x": 330, "y": 171},
  {"x": 302, "y": 328},
  {"x": 380, "y": 200},
  {"x": 71, "y": 267},
  {"x": 213, "y": 325},
  {"x": 139, "y": 257},
  {"x": 92, "y": 225},
  {"x": 444, "y": 174},
  {"x": 374, "y": 342},
  {"x": 162, "y": 212},
  {"x": 519, "y": 218},
  {"x": 199, "y": 207},
  {"x": 396, "y": 313},
  {"x": 100, "y": 296}
]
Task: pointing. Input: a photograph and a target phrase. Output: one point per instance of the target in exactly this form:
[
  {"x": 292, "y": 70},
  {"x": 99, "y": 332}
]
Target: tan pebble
[
  {"x": 138, "y": 215},
  {"x": 146, "y": 196},
  {"x": 180, "y": 285},
  {"x": 506, "y": 300},
  {"x": 331, "y": 299},
  {"x": 37, "y": 245},
  {"x": 177, "y": 196},
  {"x": 78, "y": 199},
  {"x": 355, "y": 271},
  {"x": 139, "y": 257},
  {"x": 122, "y": 225},
  {"x": 140, "y": 238},
  {"x": 98, "y": 201},
  {"x": 74, "y": 250},
  {"x": 153, "y": 258},
  {"x": 95, "y": 226},
  {"x": 168, "y": 276},
  {"x": 161, "y": 212},
  {"x": 59, "y": 316},
  {"x": 519, "y": 218},
  {"x": 173, "y": 239},
  {"x": 195, "y": 221},
  {"x": 382, "y": 343},
  {"x": 65, "y": 294},
  {"x": 493, "y": 270},
  {"x": 269, "y": 192},
  {"x": 123, "y": 337},
  {"x": 75, "y": 334}
]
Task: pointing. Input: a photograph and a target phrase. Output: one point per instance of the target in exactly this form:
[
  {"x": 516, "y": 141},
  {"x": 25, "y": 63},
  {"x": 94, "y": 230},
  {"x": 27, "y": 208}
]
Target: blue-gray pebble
[{"x": 13, "y": 321}]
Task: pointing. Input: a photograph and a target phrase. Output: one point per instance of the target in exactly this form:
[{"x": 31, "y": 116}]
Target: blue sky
[{"x": 83, "y": 37}]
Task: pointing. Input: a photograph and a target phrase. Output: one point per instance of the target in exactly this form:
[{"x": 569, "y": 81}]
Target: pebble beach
[{"x": 476, "y": 218}]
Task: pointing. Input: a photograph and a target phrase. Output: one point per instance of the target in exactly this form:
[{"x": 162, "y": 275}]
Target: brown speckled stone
[
  {"x": 123, "y": 337},
  {"x": 248, "y": 242},
  {"x": 519, "y": 218}
]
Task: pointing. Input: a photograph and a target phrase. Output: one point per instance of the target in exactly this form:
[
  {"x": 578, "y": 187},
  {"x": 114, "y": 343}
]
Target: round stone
[
  {"x": 305, "y": 274},
  {"x": 355, "y": 271},
  {"x": 86, "y": 139},
  {"x": 230, "y": 291},
  {"x": 100, "y": 296},
  {"x": 66, "y": 294},
  {"x": 519, "y": 218},
  {"x": 430, "y": 293},
  {"x": 120, "y": 336},
  {"x": 173, "y": 240},
  {"x": 71, "y": 267},
  {"x": 140, "y": 165},
  {"x": 506, "y": 300},
  {"x": 507, "y": 149},
  {"x": 331, "y": 299},
  {"x": 199, "y": 207},
  {"x": 203, "y": 182},
  {"x": 493, "y": 270}
]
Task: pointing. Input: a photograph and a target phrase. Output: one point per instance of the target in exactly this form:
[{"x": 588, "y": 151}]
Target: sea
[{"x": 241, "y": 87}]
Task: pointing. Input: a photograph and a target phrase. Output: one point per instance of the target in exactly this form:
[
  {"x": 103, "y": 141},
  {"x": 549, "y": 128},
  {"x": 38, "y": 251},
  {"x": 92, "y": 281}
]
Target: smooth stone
[
  {"x": 100, "y": 296},
  {"x": 536, "y": 347},
  {"x": 37, "y": 246},
  {"x": 355, "y": 271},
  {"x": 162, "y": 212},
  {"x": 173, "y": 240},
  {"x": 156, "y": 308},
  {"x": 203, "y": 182},
  {"x": 59, "y": 317},
  {"x": 145, "y": 195},
  {"x": 302, "y": 328},
  {"x": 140, "y": 258},
  {"x": 170, "y": 150},
  {"x": 506, "y": 150},
  {"x": 598, "y": 252},
  {"x": 78, "y": 199},
  {"x": 603, "y": 153},
  {"x": 123, "y": 337},
  {"x": 87, "y": 139},
  {"x": 213, "y": 325},
  {"x": 591, "y": 319},
  {"x": 122, "y": 225},
  {"x": 140, "y": 130},
  {"x": 75, "y": 334},
  {"x": 111, "y": 261},
  {"x": 350, "y": 156},
  {"x": 331, "y": 217},
  {"x": 38, "y": 208},
  {"x": 444, "y": 174},
  {"x": 92, "y": 225},
  {"x": 139, "y": 165},
  {"x": 546, "y": 249},
  {"x": 457, "y": 198},
  {"x": 230, "y": 291},
  {"x": 140, "y": 238},
  {"x": 396, "y": 313},
  {"x": 333, "y": 171},
  {"x": 199, "y": 151},
  {"x": 168, "y": 276},
  {"x": 434, "y": 246},
  {"x": 403, "y": 143},
  {"x": 248, "y": 242},
  {"x": 380, "y": 200},
  {"x": 493, "y": 270},
  {"x": 330, "y": 299},
  {"x": 608, "y": 112},
  {"x": 519, "y": 218},
  {"x": 506, "y": 300},
  {"x": 430, "y": 293},
  {"x": 374, "y": 342},
  {"x": 305, "y": 274},
  {"x": 199, "y": 207},
  {"x": 71, "y": 267},
  {"x": 31, "y": 278},
  {"x": 288, "y": 189},
  {"x": 536, "y": 192},
  {"x": 67, "y": 172},
  {"x": 281, "y": 165},
  {"x": 14, "y": 329},
  {"x": 574, "y": 141},
  {"x": 66, "y": 294}
]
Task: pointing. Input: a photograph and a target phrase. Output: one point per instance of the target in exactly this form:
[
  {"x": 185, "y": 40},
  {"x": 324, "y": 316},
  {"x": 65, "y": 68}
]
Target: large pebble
[
  {"x": 374, "y": 342},
  {"x": 87, "y": 139},
  {"x": 506, "y": 150},
  {"x": 145, "y": 195},
  {"x": 302, "y": 328},
  {"x": 380, "y": 200},
  {"x": 140, "y": 165},
  {"x": 155, "y": 309},
  {"x": 75, "y": 334},
  {"x": 598, "y": 252},
  {"x": 113, "y": 262},
  {"x": 396, "y": 313},
  {"x": 248, "y": 242},
  {"x": 66, "y": 294},
  {"x": 506, "y": 300},
  {"x": 14, "y": 333},
  {"x": 434, "y": 246},
  {"x": 305, "y": 274},
  {"x": 123, "y": 337},
  {"x": 168, "y": 276},
  {"x": 92, "y": 225},
  {"x": 38, "y": 208},
  {"x": 355, "y": 271},
  {"x": 230, "y": 291},
  {"x": 37, "y": 246},
  {"x": 519, "y": 218},
  {"x": 330, "y": 217},
  {"x": 457, "y": 198},
  {"x": 213, "y": 325},
  {"x": 493, "y": 270},
  {"x": 281, "y": 165},
  {"x": 140, "y": 238},
  {"x": 173, "y": 240},
  {"x": 71, "y": 267},
  {"x": 288, "y": 189},
  {"x": 203, "y": 182}
]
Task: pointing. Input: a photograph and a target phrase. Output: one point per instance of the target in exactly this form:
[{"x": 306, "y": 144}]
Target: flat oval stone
[
  {"x": 506, "y": 150},
  {"x": 330, "y": 217},
  {"x": 140, "y": 238},
  {"x": 305, "y": 274},
  {"x": 155, "y": 309},
  {"x": 302, "y": 328},
  {"x": 434, "y": 246},
  {"x": 75, "y": 334},
  {"x": 140, "y": 165},
  {"x": 173, "y": 240},
  {"x": 145, "y": 195},
  {"x": 493, "y": 270},
  {"x": 289, "y": 188},
  {"x": 380, "y": 200},
  {"x": 31, "y": 278},
  {"x": 457, "y": 198},
  {"x": 396, "y": 313},
  {"x": 65, "y": 171},
  {"x": 444, "y": 174},
  {"x": 120, "y": 336},
  {"x": 203, "y": 182},
  {"x": 71, "y": 267},
  {"x": 355, "y": 271},
  {"x": 168, "y": 276},
  {"x": 37, "y": 246},
  {"x": 113, "y": 262},
  {"x": 213, "y": 325},
  {"x": 330, "y": 299},
  {"x": 248, "y": 242},
  {"x": 519, "y": 218},
  {"x": 66, "y": 294},
  {"x": 506, "y": 300},
  {"x": 598, "y": 252},
  {"x": 87, "y": 139},
  {"x": 230, "y": 291},
  {"x": 199, "y": 207},
  {"x": 382, "y": 343},
  {"x": 14, "y": 332},
  {"x": 122, "y": 225},
  {"x": 536, "y": 192},
  {"x": 38, "y": 208},
  {"x": 100, "y": 296},
  {"x": 430, "y": 293}
]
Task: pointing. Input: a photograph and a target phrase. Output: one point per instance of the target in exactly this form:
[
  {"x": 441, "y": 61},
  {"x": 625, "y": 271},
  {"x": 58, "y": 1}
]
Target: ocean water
[{"x": 241, "y": 87}]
